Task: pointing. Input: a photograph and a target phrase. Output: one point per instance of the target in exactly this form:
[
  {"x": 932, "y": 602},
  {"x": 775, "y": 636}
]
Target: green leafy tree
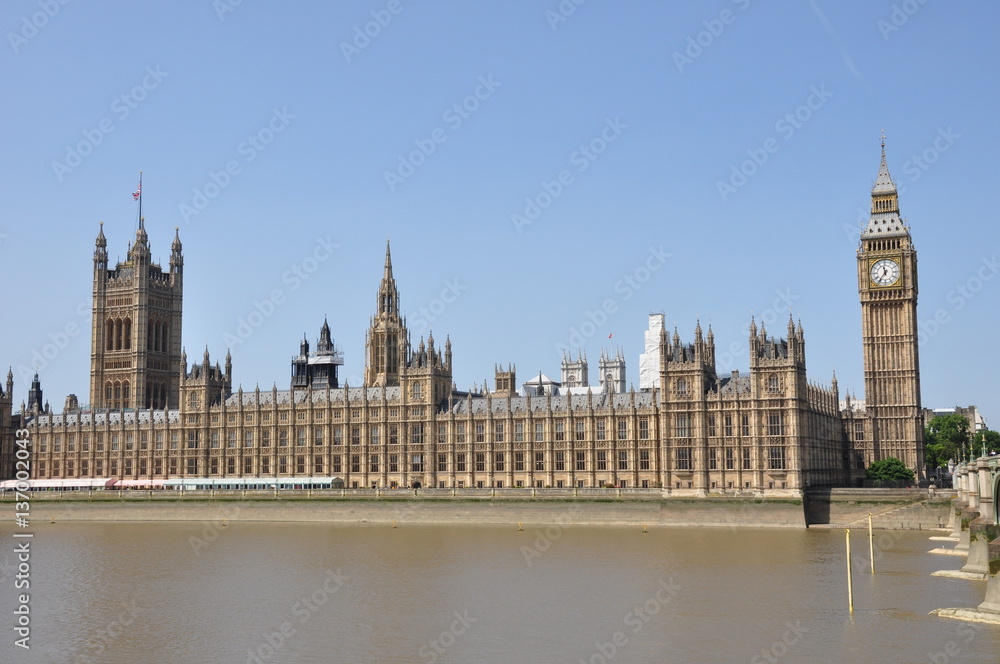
[
  {"x": 991, "y": 438},
  {"x": 889, "y": 471},
  {"x": 944, "y": 437}
]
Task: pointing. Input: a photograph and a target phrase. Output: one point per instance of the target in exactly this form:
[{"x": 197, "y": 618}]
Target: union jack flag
[{"x": 137, "y": 192}]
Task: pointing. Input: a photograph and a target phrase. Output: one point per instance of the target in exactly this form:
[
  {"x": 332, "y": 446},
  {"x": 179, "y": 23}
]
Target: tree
[
  {"x": 944, "y": 437},
  {"x": 991, "y": 438},
  {"x": 889, "y": 471}
]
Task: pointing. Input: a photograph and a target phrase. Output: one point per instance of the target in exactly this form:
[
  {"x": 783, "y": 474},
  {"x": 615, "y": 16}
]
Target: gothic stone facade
[{"x": 769, "y": 429}]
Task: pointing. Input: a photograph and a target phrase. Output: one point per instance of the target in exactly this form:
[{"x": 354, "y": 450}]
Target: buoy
[
  {"x": 644, "y": 528},
  {"x": 393, "y": 523},
  {"x": 520, "y": 528},
  {"x": 53, "y": 519},
  {"x": 225, "y": 522}
]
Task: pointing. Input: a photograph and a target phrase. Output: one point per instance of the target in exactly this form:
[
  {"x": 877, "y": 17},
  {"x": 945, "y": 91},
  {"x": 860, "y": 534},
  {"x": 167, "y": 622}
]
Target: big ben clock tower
[{"x": 887, "y": 283}]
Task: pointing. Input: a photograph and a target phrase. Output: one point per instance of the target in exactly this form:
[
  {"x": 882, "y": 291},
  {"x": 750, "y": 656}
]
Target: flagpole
[{"x": 140, "y": 198}]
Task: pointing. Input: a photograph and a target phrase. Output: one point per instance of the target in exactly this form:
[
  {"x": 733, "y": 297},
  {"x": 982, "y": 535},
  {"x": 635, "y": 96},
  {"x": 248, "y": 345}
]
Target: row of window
[
  {"x": 773, "y": 384},
  {"x": 775, "y": 425},
  {"x": 463, "y": 462},
  {"x": 776, "y": 459},
  {"x": 416, "y": 434}
]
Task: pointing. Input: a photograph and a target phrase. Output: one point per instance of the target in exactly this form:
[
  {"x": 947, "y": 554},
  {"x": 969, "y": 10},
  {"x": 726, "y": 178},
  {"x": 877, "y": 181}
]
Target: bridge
[{"x": 976, "y": 526}]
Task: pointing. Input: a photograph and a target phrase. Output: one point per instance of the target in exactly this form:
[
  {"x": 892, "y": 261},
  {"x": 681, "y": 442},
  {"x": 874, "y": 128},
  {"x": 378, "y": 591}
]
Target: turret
[
  {"x": 176, "y": 257},
  {"x": 101, "y": 250},
  {"x": 325, "y": 342},
  {"x": 35, "y": 396},
  {"x": 139, "y": 254},
  {"x": 575, "y": 372},
  {"x": 710, "y": 349}
]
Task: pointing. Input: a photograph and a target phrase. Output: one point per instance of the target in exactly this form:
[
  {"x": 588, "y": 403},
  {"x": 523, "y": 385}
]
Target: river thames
[{"x": 197, "y": 593}]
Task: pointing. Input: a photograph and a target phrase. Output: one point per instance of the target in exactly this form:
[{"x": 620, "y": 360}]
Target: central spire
[
  {"x": 388, "y": 296},
  {"x": 388, "y": 344},
  {"x": 388, "y": 262}
]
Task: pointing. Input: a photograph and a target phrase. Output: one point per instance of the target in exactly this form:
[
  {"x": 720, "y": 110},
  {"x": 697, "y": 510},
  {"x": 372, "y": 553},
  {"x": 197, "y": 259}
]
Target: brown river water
[{"x": 197, "y": 593}]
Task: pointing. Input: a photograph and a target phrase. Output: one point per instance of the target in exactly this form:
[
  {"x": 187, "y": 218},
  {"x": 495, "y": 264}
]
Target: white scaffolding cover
[{"x": 649, "y": 362}]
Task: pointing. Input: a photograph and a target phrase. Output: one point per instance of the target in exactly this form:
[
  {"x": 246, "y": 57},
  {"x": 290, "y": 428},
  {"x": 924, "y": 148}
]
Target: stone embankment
[{"x": 893, "y": 509}]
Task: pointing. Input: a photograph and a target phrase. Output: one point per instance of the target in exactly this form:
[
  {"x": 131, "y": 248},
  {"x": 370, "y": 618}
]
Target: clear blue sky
[{"x": 310, "y": 115}]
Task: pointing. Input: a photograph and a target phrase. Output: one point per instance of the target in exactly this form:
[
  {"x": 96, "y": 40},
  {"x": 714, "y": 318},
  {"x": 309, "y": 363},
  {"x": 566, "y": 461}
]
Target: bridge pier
[{"x": 979, "y": 532}]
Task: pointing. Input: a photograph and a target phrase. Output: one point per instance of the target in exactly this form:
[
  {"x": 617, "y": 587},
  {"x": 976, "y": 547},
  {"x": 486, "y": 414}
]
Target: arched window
[
  {"x": 773, "y": 384},
  {"x": 125, "y": 394},
  {"x": 127, "y": 334},
  {"x": 416, "y": 390},
  {"x": 682, "y": 386},
  {"x": 110, "y": 335}
]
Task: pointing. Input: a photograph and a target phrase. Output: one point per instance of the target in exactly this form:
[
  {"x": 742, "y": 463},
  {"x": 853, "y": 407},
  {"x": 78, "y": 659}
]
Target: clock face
[{"x": 885, "y": 272}]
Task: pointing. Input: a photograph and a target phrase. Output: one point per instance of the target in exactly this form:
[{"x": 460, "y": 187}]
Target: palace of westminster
[{"x": 154, "y": 417}]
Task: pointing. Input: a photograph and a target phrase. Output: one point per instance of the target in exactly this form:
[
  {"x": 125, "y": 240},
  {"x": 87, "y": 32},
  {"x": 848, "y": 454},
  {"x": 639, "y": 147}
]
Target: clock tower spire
[{"x": 887, "y": 284}]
